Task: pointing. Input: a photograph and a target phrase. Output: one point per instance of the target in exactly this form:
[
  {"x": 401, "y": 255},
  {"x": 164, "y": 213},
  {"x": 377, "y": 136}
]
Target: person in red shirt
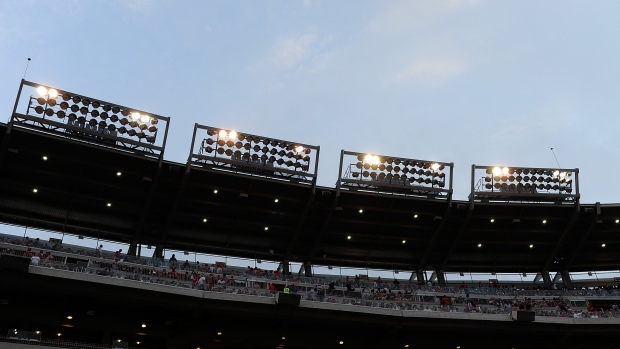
[{"x": 272, "y": 289}]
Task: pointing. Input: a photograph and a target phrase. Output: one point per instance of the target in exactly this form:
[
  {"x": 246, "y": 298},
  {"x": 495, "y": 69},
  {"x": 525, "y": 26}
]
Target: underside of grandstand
[{"x": 63, "y": 172}]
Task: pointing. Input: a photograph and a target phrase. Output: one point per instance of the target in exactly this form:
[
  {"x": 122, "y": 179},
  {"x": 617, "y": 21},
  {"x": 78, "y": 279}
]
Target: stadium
[{"x": 84, "y": 167}]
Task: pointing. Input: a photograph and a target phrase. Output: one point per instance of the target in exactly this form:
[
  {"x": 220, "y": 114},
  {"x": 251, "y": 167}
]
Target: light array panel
[
  {"x": 244, "y": 152},
  {"x": 530, "y": 183},
  {"x": 91, "y": 119},
  {"x": 388, "y": 173}
]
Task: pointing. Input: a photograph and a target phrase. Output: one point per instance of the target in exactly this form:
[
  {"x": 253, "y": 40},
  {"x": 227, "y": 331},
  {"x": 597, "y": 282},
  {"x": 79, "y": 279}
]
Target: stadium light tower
[
  {"x": 396, "y": 175},
  {"x": 524, "y": 184},
  {"x": 224, "y": 149},
  {"x": 68, "y": 114}
]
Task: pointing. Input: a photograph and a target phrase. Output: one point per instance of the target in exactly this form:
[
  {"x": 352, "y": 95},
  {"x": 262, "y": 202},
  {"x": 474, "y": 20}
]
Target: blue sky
[{"x": 463, "y": 81}]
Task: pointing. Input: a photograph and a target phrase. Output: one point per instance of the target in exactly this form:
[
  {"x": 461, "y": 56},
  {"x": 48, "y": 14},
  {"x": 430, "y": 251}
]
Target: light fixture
[
  {"x": 69, "y": 317},
  {"x": 544, "y": 221},
  {"x": 138, "y": 343},
  {"x": 404, "y": 241},
  {"x": 361, "y": 211},
  {"x": 276, "y": 200},
  {"x": 215, "y": 191},
  {"x": 35, "y": 190},
  {"x": 603, "y": 245},
  {"x": 617, "y": 221},
  {"x": 531, "y": 246},
  {"x": 118, "y": 174},
  {"x": 341, "y": 342},
  {"x": 479, "y": 245},
  {"x": 299, "y": 149},
  {"x": 283, "y": 337},
  {"x": 492, "y": 220},
  {"x": 59, "y": 334},
  {"x": 42, "y": 91},
  {"x": 204, "y": 220},
  {"x": 44, "y": 158},
  {"x": 415, "y": 215},
  {"x": 143, "y": 325},
  {"x": 348, "y": 237},
  {"x": 109, "y": 204},
  {"x": 223, "y": 133},
  {"x": 135, "y": 116},
  {"x": 219, "y": 333}
]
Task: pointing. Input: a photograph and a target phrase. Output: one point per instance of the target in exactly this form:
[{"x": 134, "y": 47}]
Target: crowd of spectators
[{"x": 255, "y": 281}]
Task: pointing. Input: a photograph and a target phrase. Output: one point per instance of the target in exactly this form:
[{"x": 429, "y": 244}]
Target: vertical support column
[
  {"x": 421, "y": 276},
  {"x": 285, "y": 267},
  {"x": 441, "y": 278},
  {"x": 546, "y": 278},
  {"x": 308, "y": 268},
  {"x": 566, "y": 279}
]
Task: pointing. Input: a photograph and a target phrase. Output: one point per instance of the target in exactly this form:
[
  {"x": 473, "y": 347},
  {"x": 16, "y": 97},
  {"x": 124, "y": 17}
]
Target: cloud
[
  {"x": 292, "y": 50},
  {"x": 408, "y": 14},
  {"x": 142, "y": 7},
  {"x": 432, "y": 71}
]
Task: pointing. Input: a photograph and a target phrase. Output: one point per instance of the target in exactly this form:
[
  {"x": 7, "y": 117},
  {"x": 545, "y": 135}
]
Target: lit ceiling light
[
  {"x": 69, "y": 317},
  {"x": 219, "y": 333},
  {"x": 348, "y": 237},
  {"x": 406, "y": 345},
  {"x": 223, "y": 133},
  {"x": 44, "y": 158},
  {"x": 617, "y": 221},
  {"x": 35, "y": 190},
  {"x": 109, "y": 204},
  {"x": 544, "y": 221},
  {"x": 143, "y": 325},
  {"x": 59, "y": 334},
  {"x": 603, "y": 245},
  {"x": 404, "y": 241},
  {"x": 283, "y": 337},
  {"x": 135, "y": 116},
  {"x": 118, "y": 174},
  {"x": 341, "y": 342},
  {"x": 361, "y": 211},
  {"x": 215, "y": 191},
  {"x": 415, "y": 216},
  {"x": 204, "y": 220},
  {"x": 531, "y": 246},
  {"x": 276, "y": 200},
  {"x": 138, "y": 343},
  {"x": 479, "y": 245},
  {"x": 492, "y": 220},
  {"x": 266, "y": 228}
]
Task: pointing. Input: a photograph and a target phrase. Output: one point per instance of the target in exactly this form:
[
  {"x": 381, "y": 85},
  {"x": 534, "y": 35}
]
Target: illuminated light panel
[
  {"x": 109, "y": 204},
  {"x": 492, "y": 220},
  {"x": 276, "y": 200},
  {"x": 479, "y": 245},
  {"x": 44, "y": 158},
  {"x": 415, "y": 216},
  {"x": 531, "y": 246},
  {"x": 118, "y": 174},
  {"x": 266, "y": 228},
  {"x": 204, "y": 220},
  {"x": 215, "y": 191},
  {"x": 404, "y": 241},
  {"x": 35, "y": 190},
  {"x": 349, "y": 237},
  {"x": 361, "y": 211},
  {"x": 544, "y": 221},
  {"x": 603, "y": 245}
]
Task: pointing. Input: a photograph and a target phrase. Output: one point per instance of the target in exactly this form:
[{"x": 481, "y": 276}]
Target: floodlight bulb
[
  {"x": 603, "y": 245},
  {"x": 299, "y": 149},
  {"x": 435, "y": 166},
  {"x": 135, "y": 116},
  {"x": 368, "y": 158},
  {"x": 232, "y": 135},
  {"x": 556, "y": 173},
  {"x": 375, "y": 159},
  {"x": 145, "y": 118},
  {"x": 42, "y": 91},
  {"x": 479, "y": 245},
  {"x": 349, "y": 237},
  {"x": 497, "y": 171},
  {"x": 52, "y": 93},
  {"x": 562, "y": 174},
  {"x": 505, "y": 170},
  {"x": 223, "y": 133},
  {"x": 531, "y": 246}
]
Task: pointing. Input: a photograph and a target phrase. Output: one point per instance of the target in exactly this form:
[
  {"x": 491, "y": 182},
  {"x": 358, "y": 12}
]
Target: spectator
[
  {"x": 173, "y": 262},
  {"x": 117, "y": 255},
  {"x": 98, "y": 251},
  {"x": 186, "y": 264},
  {"x": 34, "y": 260}
]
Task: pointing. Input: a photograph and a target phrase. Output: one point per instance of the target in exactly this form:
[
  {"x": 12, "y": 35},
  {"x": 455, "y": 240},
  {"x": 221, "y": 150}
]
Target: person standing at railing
[
  {"x": 98, "y": 251},
  {"x": 173, "y": 264}
]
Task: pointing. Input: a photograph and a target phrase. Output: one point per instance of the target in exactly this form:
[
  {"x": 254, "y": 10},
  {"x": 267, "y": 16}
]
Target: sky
[{"x": 463, "y": 81}]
